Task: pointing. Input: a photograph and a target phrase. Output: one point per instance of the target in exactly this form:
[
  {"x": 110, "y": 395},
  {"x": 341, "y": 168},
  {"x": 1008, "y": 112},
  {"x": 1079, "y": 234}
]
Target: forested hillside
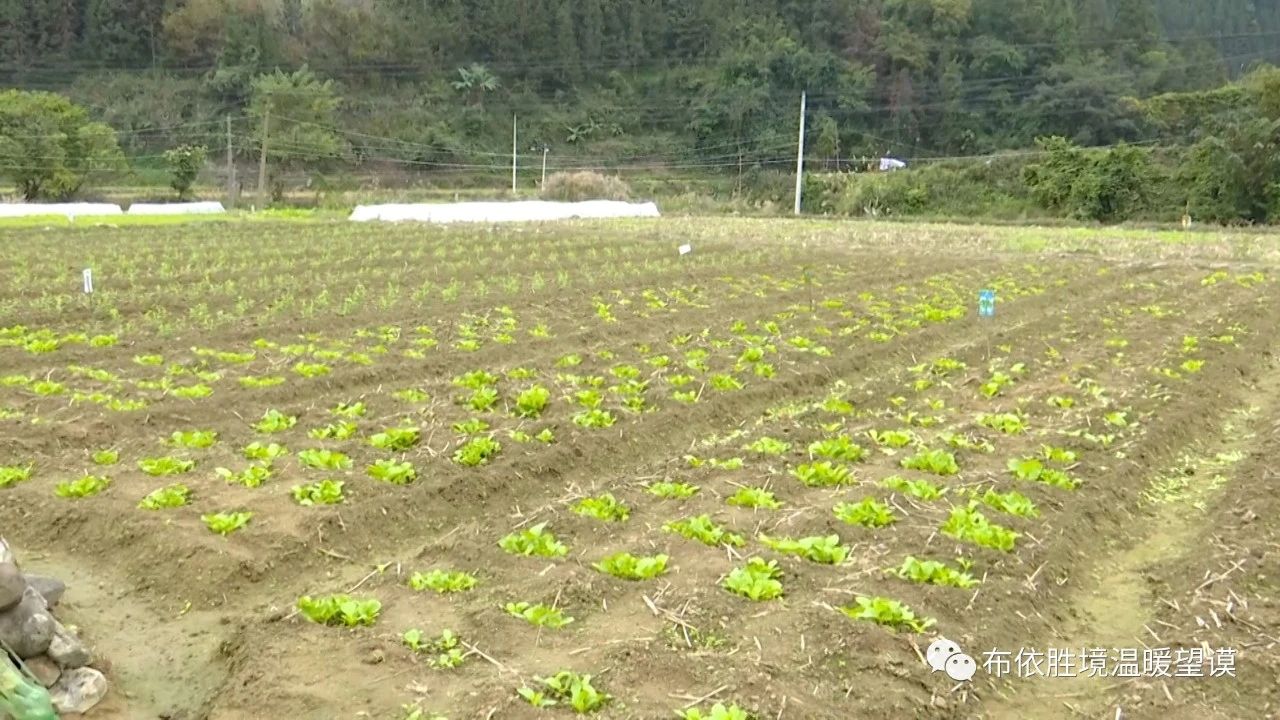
[{"x": 913, "y": 77}]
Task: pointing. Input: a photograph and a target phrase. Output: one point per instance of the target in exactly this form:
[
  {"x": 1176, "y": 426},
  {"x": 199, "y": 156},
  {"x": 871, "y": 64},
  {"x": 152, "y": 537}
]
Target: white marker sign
[
  {"x": 88, "y": 281},
  {"x": 686, "y": 249}
]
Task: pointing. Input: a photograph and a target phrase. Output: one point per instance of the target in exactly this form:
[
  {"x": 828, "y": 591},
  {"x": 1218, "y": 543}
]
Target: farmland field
[{"x": 766, "y": 473}]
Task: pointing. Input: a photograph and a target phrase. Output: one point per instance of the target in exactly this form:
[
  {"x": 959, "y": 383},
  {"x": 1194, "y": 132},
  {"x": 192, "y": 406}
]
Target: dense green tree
[
  {"x": 48, "y": 145},
  {"x": 715, "y": 80},
  {"x": 569, "y": 63},
  {"x": 124, "y": 33},
  {"x": 302, "y": 123},
  {"x": 591, "y": 38}
]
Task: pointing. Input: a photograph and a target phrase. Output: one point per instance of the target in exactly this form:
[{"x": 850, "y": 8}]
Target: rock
[
  {"x": 78, "y": 690},
  {"x": 44, "y": 669},
  {"x": 67, "y": 650},
  {"x": 27, "y": 628},
  {"x": 12, "y": 585},
  {"x": 6, "y": 555},
  {"x": 51, "y": 589}
]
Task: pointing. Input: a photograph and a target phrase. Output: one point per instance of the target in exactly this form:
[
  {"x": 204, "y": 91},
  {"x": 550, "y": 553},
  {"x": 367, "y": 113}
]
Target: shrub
[
  {"x": 1108, "y": 185},
  {"x": 584, "y": 185}
]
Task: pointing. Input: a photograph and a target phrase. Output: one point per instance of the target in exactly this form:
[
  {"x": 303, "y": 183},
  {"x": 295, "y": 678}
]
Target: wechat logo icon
[{"x": 946, "y": 656}]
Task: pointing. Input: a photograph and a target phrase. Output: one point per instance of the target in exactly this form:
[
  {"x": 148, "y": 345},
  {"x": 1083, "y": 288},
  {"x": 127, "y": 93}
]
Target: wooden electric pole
[
  {"x": 231, "y": 169},
  {"x": 262, "y": 161}
]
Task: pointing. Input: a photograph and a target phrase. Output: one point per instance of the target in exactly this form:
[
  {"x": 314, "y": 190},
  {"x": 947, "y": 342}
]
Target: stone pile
[{"x": 50, "y": 652}]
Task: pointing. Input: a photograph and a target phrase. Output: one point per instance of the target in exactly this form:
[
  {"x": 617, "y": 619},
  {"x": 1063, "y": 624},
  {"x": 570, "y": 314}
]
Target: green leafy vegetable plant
[
  {"x": 885, "y": 611},
  {"x": 442, "y": 581},
  {"x": 605, "y": 507},
  {"x": 310, "y": 370},
  {"x": 476, "y": 380},
  {"x": 538, "y": 615},
  {"x": 83, "y": 487},
  {"x": 919, "y": 489},
  {"x": 970, "y": 525},
  {"x": 266, "y": 453},
  {"x": 1032, "y": 469},
  {"x": 250, "y": 381},
  {"x": 340, "y": 610},
  {"x": 825, "y": 549},
  {"x": 754, "y": 497},
  {"x": 823, "y": 474},
  {"x": 335, "y": 431},
  {"x": 170, "y": 496},
  {"x": 106, "y": 457},
  {"x": 840, "y": 448},
  {"x": 474, "y": 426},
  {"x": 320, "y": 459},
  {"x": 768, "y": 446},
  {"x": 251, "y": 477},
  {"x": 476, "y": 451},
  {"x": 705, "y": 530},
  {"x": 193, "y": 439},
  {"x": 933, "y": 572},
  {"x": 226, "y": 523},
  {"x": 161, "y": 466},
  {"x": 390, "y": 471},
  {"x": 192, "y": 392},
  {"x": 536, "y": 540},
  {"x": 1014, "y": 503},
  {"x": 14, "y": 474},
  {"x": 274, "y": 421},
  {"x": 757, "y": 580},
  {"x": 532, "y": 402},
  {"x": 445, "y": 651},
  {"x": 630, "y": 567},
  {"x": 567, "y": 688},
  {"x": 868, "y": 512},
  {"x": 594, "y": 418},
  {"x": 324, "y": 492},
  {"x": 1007, "y": 423},
  {"x": 938, "y": 462},
  {"x": 396, "y": 439},
  {"x": 411, "y": 395},
  {"x": 1057, "y": 454},
  {"x": 892, "y": 438},
  {"x": 673, "y": 490},
  {"x": 348, "y": 410}
]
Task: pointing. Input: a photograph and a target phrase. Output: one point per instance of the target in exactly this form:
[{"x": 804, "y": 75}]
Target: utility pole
[
  {"x": 262, "y": 161},
  {"x": 231, "y": 169},
  {"x": 545, "y": 150},
  {"x": 513, "y": 153},
  {"x": 804, "y": 96}
]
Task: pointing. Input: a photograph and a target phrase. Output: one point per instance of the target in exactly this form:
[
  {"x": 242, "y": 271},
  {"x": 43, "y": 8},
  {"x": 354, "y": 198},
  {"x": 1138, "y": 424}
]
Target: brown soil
[{"x": 196, "y": 626}]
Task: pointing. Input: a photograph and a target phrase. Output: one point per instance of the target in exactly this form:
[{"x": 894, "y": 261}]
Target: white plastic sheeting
[
  {"x": 888, "y": 163},
  {"x": 71, "y": 210},
  {"x": 519, "y": 211},
  {"x": 191, "y": 208}
]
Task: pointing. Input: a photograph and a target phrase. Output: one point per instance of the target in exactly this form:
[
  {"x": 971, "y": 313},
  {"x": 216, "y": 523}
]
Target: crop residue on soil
[{"x": 468, "y": 449}]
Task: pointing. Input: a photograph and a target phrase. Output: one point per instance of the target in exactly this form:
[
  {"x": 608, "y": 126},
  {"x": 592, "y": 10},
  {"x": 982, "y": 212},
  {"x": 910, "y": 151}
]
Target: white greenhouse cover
[
  {"x": 888, "y": 163},
  {"x": 519, "y": 211},
  {"x": 71, "y": 210},
  {"x": 191, "y": 208}
]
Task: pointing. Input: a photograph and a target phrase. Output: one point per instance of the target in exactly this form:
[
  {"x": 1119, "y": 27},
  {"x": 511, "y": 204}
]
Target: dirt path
[
  {"x": 176, "y": 666},
  {"x": 1120, "y": 605}
]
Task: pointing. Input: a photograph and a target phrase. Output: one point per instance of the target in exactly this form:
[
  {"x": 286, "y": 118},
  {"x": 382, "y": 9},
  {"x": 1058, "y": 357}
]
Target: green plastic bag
[{"x": 21, "y": 697}]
